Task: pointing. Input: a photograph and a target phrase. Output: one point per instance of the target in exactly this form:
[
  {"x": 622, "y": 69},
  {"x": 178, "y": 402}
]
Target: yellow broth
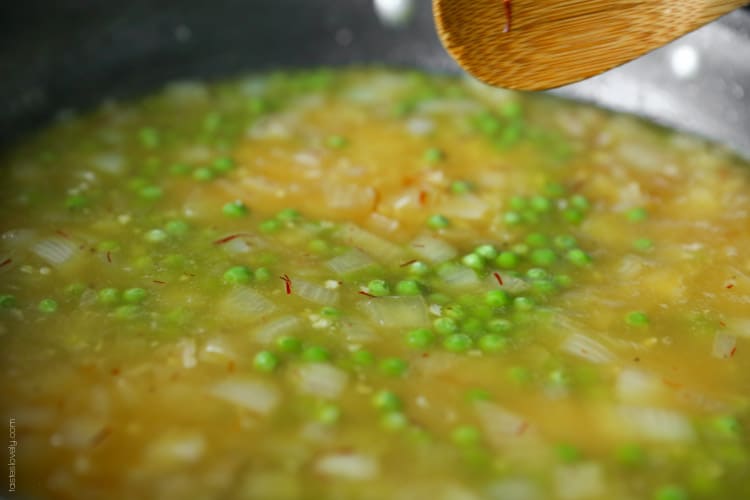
[{"x": 373, "y": 284}]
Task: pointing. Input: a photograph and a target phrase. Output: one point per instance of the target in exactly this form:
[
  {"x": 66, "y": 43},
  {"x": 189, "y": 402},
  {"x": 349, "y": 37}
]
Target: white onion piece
[
  {"x": 579, "y": 481},
  {"x": 514, "y": 489},
  {"x": 322, "y": 380},
  {"x": 468, "y": 207},
  {"x": 396, "y": 312},
  {"x": 348, "y": 466},
  {"x": 259, "y": 397},
  {"x": 55, "y": 250},
  {"x": 246, "y": 304},
  {"x": 433, "y": 249},
  {"x": 79, "y": 432},
  {"x": 111, "y": 163},
  {"x": 346, "y": 197},
  {"x": 315, "y": 293},
  {"x": 217, "y": 350},
  {"x": 587, "y": 348},
  {"x": 500, "y": 425},
  {"x": 458, "y": 277},
  {"x": 637, "y": 386},
  {"x": 654, "y": 424},
  {"x": 420, "y": 126},
  {"x": 351, "y": 262},
  {"x": 724, "y": 345},
  {"x": 176, "y": 448},
  {"x": 284, "y": 325},
  {"x": 377, "y": 247},
  {"x": 358, "y": 331},
  {"x": 739, "y": 327}
]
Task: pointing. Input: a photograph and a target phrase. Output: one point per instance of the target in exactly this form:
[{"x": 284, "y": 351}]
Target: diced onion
[
  {"x": 579, "y": 481},
  {"x": 284, "y": 325},
  {"x": 259, "y": 397},
  {"x": 377, "y": 247},
  {"x": 351, "y": 262},
  {"x": 433, "y": 249},
  {"x": 348, "y": 466},
  {"x": 358, "y": 331},
  {"x": 636, "y": 386},
  {"x": 468, "y": 207},
  {"x": 322, "y": 380},
  {"x": 55, "y": 250},
  {"x": 514, "y": 489},
  {"x": 79, "y": 432},
  {"x": 111, "y": 163},
  {"x": 397, "y": 312},
  {"x": 724, "y": 345},
  {"x": 176, "y": 448},
  {"x": 246, "y": 304},
  {"x": 654, "y": 424},
  {"x": 315, "y": 293},
  {"x": 587, "y": 348},
  {"x": 499, "y": 424},
  {"x": 458, "y": 277},
  {"x": 349, "y": 198}
]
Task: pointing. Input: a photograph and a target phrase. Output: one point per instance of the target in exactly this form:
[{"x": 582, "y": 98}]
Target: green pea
[
  {"x": 512, "y": 110},
  {"x": 439, "y": 298},
  {"x": 537, "y": 240},
  {"x": 499, "y": 325},
  {"x": 378, "y": 288},
  {"x": 76, "y": 201},
  {"x": 47, "y": 306},
  {"x": 7, "y": 301},
  {"x": 445, "y": 325},
  {"x": 318, "y": 246},
  {"x": 270, "y": 226},
  {"x": 563, "y": 280},
  {"x": 466, "y": 435},
  {"x": 670, "y": 492},
  {"x": 108, "y": 246},
  {"x": 203, "y": 174},
  {"x": 578, "y": 257},
  {"x": 408, "y": 287},
  {"x": 523, "y": 303},
  {"x": 540, "y": 204},
  {"x": 258, "y": 105},
  {"x": 497, "y": 298},
  {"x": 330, "y": 312},
  {"x": 134, "y": 295},
  {"x": 486, "y": 252},
  {"x": 433, "y": 155},
  {"x": 156, "y": 236},
  {"x": 394, "y": 367},
  {"x": 238, "y": 275},
  {"x": 149, "y": 137},
  {"x": 519, "y": 374},
  {"x": 579, "y": 202},
  {"x": 488, "y": 124},
  {"x": 543, "y": 257},
  {"x": 74, "y": 289},
  {"x": 419, "y": 268},
  {"x": 643, "y": 244},
  {"x": 477, "y": 394},
  {"x": 545, "y": 286},
  {"x": 630, "y": 454},
  {"x": 637, "y": 318},
  {"x": 461, "y": 187},
  {"x": 438, "y": 221},
  {"x": 637, "y": 214},
  {"x": 473, "y": 261},
  {"x": 727, "y": 426},
  {"x": 223, "y": 164},
  {"x": 128, "y": 311},
  {"x": 109, "y": 296},
  {"x": 394, "y": 420},
  {"x": 336, "y": 141},
  {"x": 520, "y": 249},
  {"x": 329, "y": 414},
  {"x": 151, "y": 192},
  {"x": 572, "y": 215},
  {"x": 262, "y": 274},
  {"x": 289, "y": 344},
  {"x": 386, "y": 400},
  {"x": 554, "y": 189},
  {"x": 512, "y": 218},
  {"x": 235, "y": 209},
  {"x": 472, "y": 326},
  {"x": 507, "y": 260},
  {"x": 362, "y": 357},
  {"x": 567, "y": 453},
  {"x": 288, "y": 215},
  {"x": 536, "y": 273},
  {"x": 265, "y": 361},
  {"x": 315, "y": 354},
  {"x": 565, "y": 242},
  {"x": 457, "y": 342},
  {"x": 492, "y": 342},
  {"x": 420, "y": 338},
  {"x": 177, "y": 227},
  {"x": 518, "y": 203}
]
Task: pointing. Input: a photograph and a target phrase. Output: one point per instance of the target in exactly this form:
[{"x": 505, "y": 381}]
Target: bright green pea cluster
[{"x": 235, "y": 209}]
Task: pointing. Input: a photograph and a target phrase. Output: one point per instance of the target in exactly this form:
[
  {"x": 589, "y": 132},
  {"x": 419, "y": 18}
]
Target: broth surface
[{"x": 373, "y": 284}]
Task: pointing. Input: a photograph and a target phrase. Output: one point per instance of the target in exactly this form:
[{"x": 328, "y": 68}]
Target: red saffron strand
[
  {"x": 422, "y": 197},
  {"x": 498, "y": 278},
  {"x": 407, "y": 263},
  {"x": 362, "y": 292},
  {"x": 731, "y": 353},
  {"x": 731, "y": 285},
  {"x": 229, "y": 238},
  {"x": 287, "y": 283},
  {"x": 5, "y": 262},
  {"x": 508, "y": 15},
  {"x": 109, "y": 257},
  {"x": 160, "y": 282},
  {"x": 63, "y": 234}
]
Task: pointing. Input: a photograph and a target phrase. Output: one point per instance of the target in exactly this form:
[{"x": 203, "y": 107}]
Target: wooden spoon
[{"x": 541, "y": 44}]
